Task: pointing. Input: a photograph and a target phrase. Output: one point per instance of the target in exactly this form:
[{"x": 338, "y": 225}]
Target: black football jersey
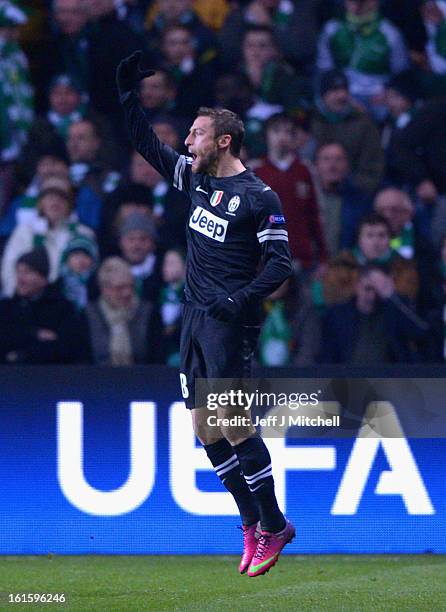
[{"x": 234, "y": 222}]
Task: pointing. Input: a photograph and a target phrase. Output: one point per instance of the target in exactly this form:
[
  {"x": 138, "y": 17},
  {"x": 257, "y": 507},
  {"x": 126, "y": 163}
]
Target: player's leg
[
  {"x": 218, "y": 449},
  {"x": 227, "y": 467},
  {"x": 255, "y": 463},
  {"x": 232, "y": 361},
  {"x": 226, "y": 464},
  {"x": 276, "y": 530},
  {"x": 254, "y": 459}
]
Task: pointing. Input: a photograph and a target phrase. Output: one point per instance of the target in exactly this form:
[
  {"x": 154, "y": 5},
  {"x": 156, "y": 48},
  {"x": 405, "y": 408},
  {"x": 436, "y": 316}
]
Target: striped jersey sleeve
[
  {"x": 270, "y": 221},
  {"x": 272, "y": 236},
  {"x": 171, "y": 165}
]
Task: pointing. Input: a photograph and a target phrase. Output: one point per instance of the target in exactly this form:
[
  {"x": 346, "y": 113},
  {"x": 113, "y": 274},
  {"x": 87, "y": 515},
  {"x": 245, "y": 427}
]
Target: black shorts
[{"x": 213, "y": 349}]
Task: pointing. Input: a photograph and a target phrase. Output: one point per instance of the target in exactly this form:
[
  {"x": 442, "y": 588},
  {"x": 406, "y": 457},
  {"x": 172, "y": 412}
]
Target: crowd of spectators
[{"x": 344, "y": 104}]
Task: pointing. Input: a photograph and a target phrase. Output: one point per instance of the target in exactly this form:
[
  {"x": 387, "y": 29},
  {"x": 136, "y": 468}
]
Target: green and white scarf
[
  {"x": 275, "y": 336},
  {"x": 62, "y": 123},
  {"x": 159, "y": 196},
  {"x": 379, "y": 261},
  {"x": 404, "y": 243},
  {"x": 16, "y": 100},
  {"x": 283, "y": 14},
  {"x": 41, "y": 228},
  {"x": 170, "y": 307}
]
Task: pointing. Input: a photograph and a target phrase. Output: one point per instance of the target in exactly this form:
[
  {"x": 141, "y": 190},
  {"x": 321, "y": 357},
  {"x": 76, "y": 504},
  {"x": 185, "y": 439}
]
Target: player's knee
[
  {"x": 237, "y": 435},
  {"x": 207, "y": 437},
  {"x": 236, "y": 424},
  {"x": 204, "y": 432}
]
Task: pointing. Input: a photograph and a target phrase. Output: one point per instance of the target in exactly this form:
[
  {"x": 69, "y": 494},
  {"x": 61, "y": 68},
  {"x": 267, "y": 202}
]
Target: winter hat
[
  {"x": 138, "y": 221},
  {"x": 406, "y": 84},
  {"x": 332, "y": 79},
  {"x": 84, "y": 244},
  {"x": 37, "y": 260},
  {"x": 56, "y": 182},
  {"x": 11, "y": 15}
]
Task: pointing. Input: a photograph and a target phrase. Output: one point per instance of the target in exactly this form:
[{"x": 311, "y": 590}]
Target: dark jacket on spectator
[
  {"x": 436, "y": 317},
  {"x": 354, "y": 205},
  {"x": 92, "y": 58},
  {"x": 417, "y": 152},
  {"x": 295, "y": 32},
  {"x": 21, "y": 319},
  {"x": 194, "y": 88},
  {"x": 402, "y": 330},
  {"x": 407, "y": 17},
  {"x": 360, "y": 138}
]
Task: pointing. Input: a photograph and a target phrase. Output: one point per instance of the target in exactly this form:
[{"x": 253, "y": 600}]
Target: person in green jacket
[{"x": 367, "y": 47}]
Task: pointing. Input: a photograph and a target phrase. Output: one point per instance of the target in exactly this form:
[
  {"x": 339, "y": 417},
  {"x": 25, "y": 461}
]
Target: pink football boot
[
  {"x": 251, "y": 536},
  {"x": 269, "y": 547}
]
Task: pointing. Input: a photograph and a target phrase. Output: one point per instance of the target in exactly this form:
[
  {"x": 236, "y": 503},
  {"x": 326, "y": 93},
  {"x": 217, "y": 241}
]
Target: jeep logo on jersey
[
  {"x": 208, "y": 224},
  {"x": 216, "y": 197},
  {"x": 233, "y": 204}
]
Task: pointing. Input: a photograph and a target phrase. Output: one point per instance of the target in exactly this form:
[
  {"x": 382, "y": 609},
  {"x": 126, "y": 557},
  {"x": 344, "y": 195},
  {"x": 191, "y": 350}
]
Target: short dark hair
[
  {"x": 96, "y": 126},
  {"x": 279, "y": 119},
  {"x": 226, "y": 122},
  {"x": 373, "y": 218},
  {"x": 57, "y": 191},
  {"x": 168, "y": 78},
  {"x": 329, "y": 143},
  {"x": 263, "y": 29},
  {"x": 177, "y": 26},
  {"x": 165, "y": 118}
]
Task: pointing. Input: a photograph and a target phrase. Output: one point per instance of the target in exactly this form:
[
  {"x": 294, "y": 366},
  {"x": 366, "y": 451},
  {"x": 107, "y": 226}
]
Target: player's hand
[
  {"x": 382, "y": 283},
  {"x": 225, "y": 308},
  {"x": 46, "y": 335},
  {"x": 427, "y": 191},
  {"x": 129, "y": 73}
]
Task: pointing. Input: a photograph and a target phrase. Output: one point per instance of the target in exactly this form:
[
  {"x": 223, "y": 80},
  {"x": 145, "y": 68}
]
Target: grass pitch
[{"x": 121, "y": 583}]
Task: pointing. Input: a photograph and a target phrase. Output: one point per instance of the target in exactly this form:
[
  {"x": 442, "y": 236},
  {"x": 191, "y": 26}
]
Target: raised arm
[{"x": 170, "y": 164}]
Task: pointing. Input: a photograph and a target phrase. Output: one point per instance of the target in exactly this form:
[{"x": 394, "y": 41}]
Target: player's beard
[{"x": 208, "y": 163}]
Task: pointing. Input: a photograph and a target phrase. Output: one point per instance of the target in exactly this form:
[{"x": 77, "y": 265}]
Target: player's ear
[{"x": 224, "y": 141}]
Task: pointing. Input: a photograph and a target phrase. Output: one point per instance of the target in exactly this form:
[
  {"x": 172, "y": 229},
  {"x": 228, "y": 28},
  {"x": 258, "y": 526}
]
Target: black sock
[
  {"x": 255, "y": 462},
  {"x": 227, "y": 466}
]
